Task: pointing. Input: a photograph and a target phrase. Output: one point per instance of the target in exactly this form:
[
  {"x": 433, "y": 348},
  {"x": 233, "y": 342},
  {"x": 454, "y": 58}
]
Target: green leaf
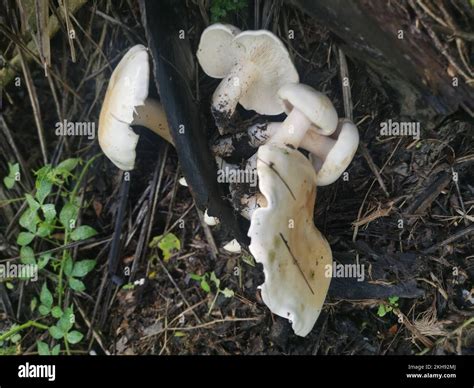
[
  {"x": 29, "y": 219},
  {"x": 32, "y": 203},
  {"x": 76, "y": 284},
  {"x": 205, "y": 285},
  {"x": 68, "y": 265},
  {"x": 227, "y": 292},
  {"x": 15, "y": 338},
  {"x": 49, "y": 212},
  {"x": 44, "y": 260},
  {"x": 24, "y": 238},
  {"x": 73, "y": 337},
  {"x": 67, "y": 165},
  {"x": 55, "y": 350},
  {"x": 393, "y": 300},
  {"x": 195, "y": 277},
  {"x": 44, "y": 229},
  {"x": 14, "y": 170},
  {"x": 248, "y": 259},
  {"x": 68, "y": 215},
  {"x": 168, "y": 244},
  {"x": 56, "y": 332},
  {"x": 46, "y": 297},
  {"x": 43, "y": 189},
  {"x": 8, "y": 182},
  {"x": 66, "y": 321},
  {"x": 33, "y": 304},
  {"x": 27, "y": 256},
  {"x": 82, "y": 268},
  {"x": 43, "y": 171},
  {"x": 43, "y": 310},
  {"x": 381, "y": 311},
  {"x": 43, "y": 348},
  {"x": 83, "y": 232},
  {"x": 56, "y": 312},
  {"x": 215, "y": 280}
]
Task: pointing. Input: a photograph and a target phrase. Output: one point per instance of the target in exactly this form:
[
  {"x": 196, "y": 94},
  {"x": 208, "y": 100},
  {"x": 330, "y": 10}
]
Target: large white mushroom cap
[
  {"x": 294, "y": 254},
  {"x": 271, "y": 61},
  {"x": 253, "y": 65},
  {"x": 215, "y": 52},
  {"x": 128, "y": 88}
]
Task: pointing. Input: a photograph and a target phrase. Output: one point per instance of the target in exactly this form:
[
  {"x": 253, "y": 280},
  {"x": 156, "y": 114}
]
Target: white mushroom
[
  {"x": 253, "y": 65},
  {"x": 305, "y": 107},
  {"x": 294, "y": 254},
  {"x": 209, "y": 220},
  {"x": 232, "y": 246},
  {"x": 215, "y": 52},
  {"x": 126, "y": 104},
  {"x": 330, "y": 155}
]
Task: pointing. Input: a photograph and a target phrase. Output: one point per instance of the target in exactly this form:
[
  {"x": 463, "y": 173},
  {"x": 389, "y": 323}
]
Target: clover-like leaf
[
  {"x": 66, "y": 321},
  {"x": 76, "y": 284},
  {"x": 49, "y": 212},
  {"x": 82, "y": 268},
  {"x": 27, "y": 256},
  {"x": 29, "y": 219},
  {"x": 83, "y": 232},
  {"x": 73, "y": 337},
  {"x": 13, "y": 172},
  {"x": 46, "y": 298},
  {"x": 24, "y": 238},
  {"x": 227, "y": 292},
  {"x": 43, "y": 189},
  {"x": 56, "y": 332},
  {"x": 68, "y": 215},
  {"x": 43, "y": 348},
  {"x": 56, "y": 312},
  {"x": 168, "y": 244}
]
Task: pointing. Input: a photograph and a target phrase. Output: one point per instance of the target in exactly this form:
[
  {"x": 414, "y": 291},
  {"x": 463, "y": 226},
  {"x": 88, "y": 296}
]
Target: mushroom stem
[
  {"x": 153, "y": 116},
  {"x": 228, "y": 93},
  {"x": 317, "y": 144},
  {"x": 293, "y": 129}
]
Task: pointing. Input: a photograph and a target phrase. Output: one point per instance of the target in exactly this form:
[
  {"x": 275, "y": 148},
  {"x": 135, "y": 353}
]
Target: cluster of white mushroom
[{"x": 258, "y": 74}]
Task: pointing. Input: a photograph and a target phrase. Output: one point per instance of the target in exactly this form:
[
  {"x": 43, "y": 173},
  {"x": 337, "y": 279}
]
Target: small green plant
[
  {"x": 13, "y": 175},
  {"x": 169, "y": 244},
  {"x": 385, "y": 308},
  {"x": 44, "y": 219},
  {"x": 220, "y": 9},
  {"x": 204, "y": 284}
]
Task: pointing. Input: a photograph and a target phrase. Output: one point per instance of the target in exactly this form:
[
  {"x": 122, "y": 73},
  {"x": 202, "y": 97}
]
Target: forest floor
[{"x": 405, "y": 212}]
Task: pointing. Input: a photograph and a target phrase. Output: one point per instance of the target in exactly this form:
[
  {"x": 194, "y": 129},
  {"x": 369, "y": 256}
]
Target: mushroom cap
[
  {"x": 294, "y": 254},
  {"x": 340, "y": 155},
  {"x": 127, "y": 89},
  {"x": 210, "y": 220},
  {"x": 233, "y": 246},
  {"x": 215, "y": 53},
  {"x": 269, "y": 57},
  {"x": 316, "y": 106}
]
